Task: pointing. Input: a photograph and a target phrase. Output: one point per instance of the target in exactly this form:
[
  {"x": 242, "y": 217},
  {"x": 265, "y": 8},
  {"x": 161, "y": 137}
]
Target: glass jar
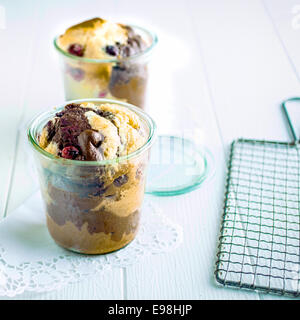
[
  {"x": 122, "y": 79},
  {"x": 92, "y": 207}
]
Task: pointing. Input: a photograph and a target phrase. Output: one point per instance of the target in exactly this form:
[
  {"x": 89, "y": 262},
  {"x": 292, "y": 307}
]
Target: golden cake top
[
  {"x": 92, "y": 132},
  {"x": 101, "y": 39}
]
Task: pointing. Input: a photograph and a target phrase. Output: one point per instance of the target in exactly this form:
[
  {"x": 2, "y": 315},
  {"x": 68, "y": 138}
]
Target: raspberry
[
  {"x": 69, "y": 152},
  {"x": 76, "y": 49},
  {"x": 76, "y": 73},
  {"x": 102, "y": 94}
]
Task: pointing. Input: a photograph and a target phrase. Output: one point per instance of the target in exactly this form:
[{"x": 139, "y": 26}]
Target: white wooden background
[{"x": 222, "y": 66}]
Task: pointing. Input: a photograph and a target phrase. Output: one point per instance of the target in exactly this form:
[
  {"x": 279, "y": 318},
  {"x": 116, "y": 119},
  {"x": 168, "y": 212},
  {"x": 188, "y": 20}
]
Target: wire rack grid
[{"x": 259, "y": 242}]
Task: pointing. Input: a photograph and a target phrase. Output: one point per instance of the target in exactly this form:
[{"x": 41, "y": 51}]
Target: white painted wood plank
[
  {"x": 45, "y": 90},
  {"x": 285, "y": 16},
  {"x": 249, "y": 73},
  {"x": 248, "y": 70},
  {"x": 15, "y": 56},
  {"x": 180, "y": 102}
]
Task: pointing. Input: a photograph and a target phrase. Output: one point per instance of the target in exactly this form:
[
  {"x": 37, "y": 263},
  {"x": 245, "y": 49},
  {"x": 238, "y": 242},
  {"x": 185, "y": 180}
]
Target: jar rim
[
  {"x": 46, "y": 116},
  {"x": 144, "y": 53}
]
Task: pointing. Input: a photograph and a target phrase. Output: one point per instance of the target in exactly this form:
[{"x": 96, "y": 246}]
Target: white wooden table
[{"x": 221, "y": 67}]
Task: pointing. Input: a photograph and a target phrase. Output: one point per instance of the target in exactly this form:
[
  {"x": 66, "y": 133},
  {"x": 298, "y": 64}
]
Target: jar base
[{"x": 81, "y": 241}]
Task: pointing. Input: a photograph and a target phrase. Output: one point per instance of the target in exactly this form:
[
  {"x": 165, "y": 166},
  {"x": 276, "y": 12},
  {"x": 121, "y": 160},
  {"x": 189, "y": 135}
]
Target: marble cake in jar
[
  {"x": 94, "y": 208},
  {"x": 101, "y": 61}
]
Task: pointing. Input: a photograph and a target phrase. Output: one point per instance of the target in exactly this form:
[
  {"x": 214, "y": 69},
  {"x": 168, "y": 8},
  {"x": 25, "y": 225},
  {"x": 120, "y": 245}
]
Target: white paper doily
[{"x": 31, "y": 261}]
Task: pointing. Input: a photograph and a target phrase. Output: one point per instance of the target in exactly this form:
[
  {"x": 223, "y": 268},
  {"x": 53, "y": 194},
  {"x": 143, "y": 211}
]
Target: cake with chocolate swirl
[
  {"x": 104, "y": 59},
  {"x": 93, "y": 198}
]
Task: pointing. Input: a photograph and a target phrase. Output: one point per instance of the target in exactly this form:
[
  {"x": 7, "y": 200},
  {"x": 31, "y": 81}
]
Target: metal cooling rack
[{"x": 259, "y": 243}]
